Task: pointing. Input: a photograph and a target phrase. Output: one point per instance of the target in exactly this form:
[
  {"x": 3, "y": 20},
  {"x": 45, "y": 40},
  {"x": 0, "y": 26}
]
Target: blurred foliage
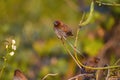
[{"x": 39, "y": 52}]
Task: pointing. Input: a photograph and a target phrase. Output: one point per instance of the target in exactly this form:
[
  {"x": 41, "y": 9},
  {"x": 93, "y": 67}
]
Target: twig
[
  {"x": 97, "y": 74},
  {"x": 96, "y": 68},
  {"x": 76, "y": 38},
  {"x": 108, "y": 4},
  {"x": 4, "y": 64},
  {"x": 108, "y": 74},
  {"x": 80, "y": 75},
  {"x": 49, "y": 75},
  {"x": 117, "y": 61},
  {"x": 71, "y": 55},
  {"x": 74, "y": 48}
]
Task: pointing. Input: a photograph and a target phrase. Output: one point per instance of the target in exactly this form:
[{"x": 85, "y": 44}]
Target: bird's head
[{"x": 57, "y": 23}]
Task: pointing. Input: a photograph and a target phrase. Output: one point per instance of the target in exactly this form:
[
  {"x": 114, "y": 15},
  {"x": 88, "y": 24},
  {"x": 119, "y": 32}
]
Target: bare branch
[
  {"x": 49, "y": 75},
  {"x": 80, "y": 75}
]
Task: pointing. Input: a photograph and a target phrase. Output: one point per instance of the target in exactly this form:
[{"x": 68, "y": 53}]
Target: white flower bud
[
  {"x": 13, "y": 41},
  {"x": 13, "y": 47},
  {"x": 12, "y": 53}
]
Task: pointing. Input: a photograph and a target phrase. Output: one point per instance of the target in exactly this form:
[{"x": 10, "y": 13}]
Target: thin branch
[
  {"x": 49, "y": 75},
  {"x": 71, "y": 54},
  {"x": 108, "y": 4},
  {"x": 117, "y": 61},
  {"x": 80, "y": 75},
  {"x": 76, "y": 38},
  {"x": 96, "y": 68},
  {"x": 97, "y": 74},
  {"x": 4, "y": 63},
  {"x": 74, "y": 48},
  {"x": 108, "y": 74}
]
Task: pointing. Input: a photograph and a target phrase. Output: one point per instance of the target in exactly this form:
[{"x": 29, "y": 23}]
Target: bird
[
  {"x": 62, "y": 30},
  {"x": 18, "y": 75}
]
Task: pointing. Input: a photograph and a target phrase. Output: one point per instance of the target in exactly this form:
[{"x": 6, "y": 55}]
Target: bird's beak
[{"x": 55, "y": 23}]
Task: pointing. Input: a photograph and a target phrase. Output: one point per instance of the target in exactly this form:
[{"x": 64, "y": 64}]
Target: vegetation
[{"x": 28, "y": 41}]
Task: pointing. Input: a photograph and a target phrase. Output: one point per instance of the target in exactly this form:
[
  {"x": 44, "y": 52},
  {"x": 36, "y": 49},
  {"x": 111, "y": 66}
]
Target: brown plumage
[
  {"x": 18, "y": 75},
  {"x": 62, "y": 30}
]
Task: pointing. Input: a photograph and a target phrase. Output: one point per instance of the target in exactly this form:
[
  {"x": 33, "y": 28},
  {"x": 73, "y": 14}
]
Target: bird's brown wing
[{"x": 68, "y": 30}]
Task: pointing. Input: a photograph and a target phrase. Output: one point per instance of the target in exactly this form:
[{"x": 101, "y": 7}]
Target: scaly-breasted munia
[{"x": 62, "y": 30}]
